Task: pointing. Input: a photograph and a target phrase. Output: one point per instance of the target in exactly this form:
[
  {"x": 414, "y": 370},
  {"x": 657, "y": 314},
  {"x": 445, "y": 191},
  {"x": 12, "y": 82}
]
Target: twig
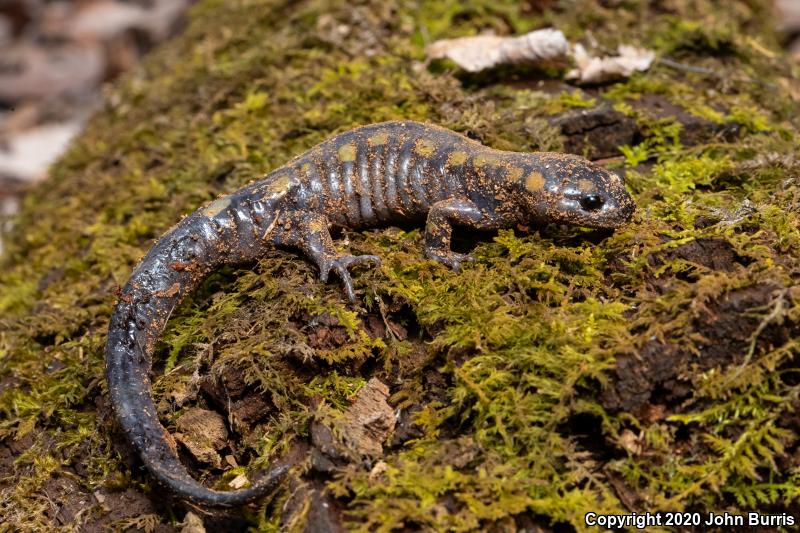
[
  {"x": 667, "y": 62},
  {"x": 688, "y": 68},
  {"x": 776, "y": 316}
]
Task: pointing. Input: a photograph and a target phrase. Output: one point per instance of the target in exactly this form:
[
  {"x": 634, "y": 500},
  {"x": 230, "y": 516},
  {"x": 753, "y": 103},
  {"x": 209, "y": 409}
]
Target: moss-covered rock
[{"x": 564, "y": 372}]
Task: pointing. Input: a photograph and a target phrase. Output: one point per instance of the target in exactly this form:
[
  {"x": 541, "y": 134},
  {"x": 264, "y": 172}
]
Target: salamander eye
[{"x": 592, "y": 202}]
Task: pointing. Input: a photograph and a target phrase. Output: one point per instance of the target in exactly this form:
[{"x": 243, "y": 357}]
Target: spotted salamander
[{"x": 393, "y": 172}]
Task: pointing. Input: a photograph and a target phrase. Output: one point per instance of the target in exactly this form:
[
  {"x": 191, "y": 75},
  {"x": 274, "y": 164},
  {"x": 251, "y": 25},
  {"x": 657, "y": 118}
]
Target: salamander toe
[
  {"x": 453, "y": 260},
  {"x": 341, "y": 264}
]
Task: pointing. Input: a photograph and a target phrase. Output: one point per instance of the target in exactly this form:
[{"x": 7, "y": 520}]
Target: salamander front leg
[
  {"x": 439, "y": 229},
  {"x": 308, "y": 231}
]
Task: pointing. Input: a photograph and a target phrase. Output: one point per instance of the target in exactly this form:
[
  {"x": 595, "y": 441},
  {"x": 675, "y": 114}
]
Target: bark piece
[
  {"x": 370, "y": 420},
  {"x": 696, "y": 130},
  {"x": 203, "y": 433},
  {"x": 658, "y": 376},
  {"x": 597, "y": 132},
  {"x": 311, "y": 509},
  {"x": 362, "y": 428}
]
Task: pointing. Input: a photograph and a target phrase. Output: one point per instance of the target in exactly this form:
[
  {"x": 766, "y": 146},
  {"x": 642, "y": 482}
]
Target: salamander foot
[
  {"x": 341, "y": 264},
  {"x": 451, "y": 259}
]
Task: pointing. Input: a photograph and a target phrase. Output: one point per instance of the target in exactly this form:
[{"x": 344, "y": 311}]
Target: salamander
[{"x": 372, "y": 176}]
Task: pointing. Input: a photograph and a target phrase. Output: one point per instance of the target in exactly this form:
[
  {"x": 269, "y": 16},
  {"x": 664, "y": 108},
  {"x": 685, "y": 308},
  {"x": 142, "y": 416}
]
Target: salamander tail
[{"x": 175, "y": 265}]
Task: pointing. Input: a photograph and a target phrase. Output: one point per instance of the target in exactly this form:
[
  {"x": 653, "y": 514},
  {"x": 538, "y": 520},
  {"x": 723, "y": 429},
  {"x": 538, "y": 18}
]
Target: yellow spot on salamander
[
  {"x": 316, "y": 225},
  {"x": 587, "y": 185},
  {"x": 306, "y": 168},
  {"x": 278, "y": 185},
  {"x": 534, "y": 182},
  {"x": 485, "y": 160},
  {"x": 424, "y": 147},
  {"x": 216, "y": 207},
  {"x": 457, "y": 158},
  {"x": 514, "y": 174},
  {"x": 347, "y": 152},
  {"x": 378, "y": 139}
]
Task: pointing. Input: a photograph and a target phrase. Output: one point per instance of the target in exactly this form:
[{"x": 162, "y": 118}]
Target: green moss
[
  {"x": 573, "y": 100},
  {"x": 504, "y": 368},
  {"x": 679, "y": 177},
  {"x": 696, "y": 36}
]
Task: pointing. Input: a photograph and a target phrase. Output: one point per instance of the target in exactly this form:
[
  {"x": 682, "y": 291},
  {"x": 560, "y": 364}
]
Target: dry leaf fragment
[
  {"x": 377, "y": 471},
  {"x": 192, "y": 524},
  {"x": 104, "y": 20},
  {"x": 27, "y": 155},
  {"x": 593, "y": 69},
  {"x": 485, "y": 51},
  {"x": 239, "y": 481},
  {"x": 630, "y": 442},
  {"x": 33, "y": 71}
]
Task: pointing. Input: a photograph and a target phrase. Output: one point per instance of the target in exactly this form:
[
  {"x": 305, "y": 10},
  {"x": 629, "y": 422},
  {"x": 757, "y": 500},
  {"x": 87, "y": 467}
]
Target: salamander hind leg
[
  {"x": 308, "y": 232},
  {"x": 439, "y": 229}
]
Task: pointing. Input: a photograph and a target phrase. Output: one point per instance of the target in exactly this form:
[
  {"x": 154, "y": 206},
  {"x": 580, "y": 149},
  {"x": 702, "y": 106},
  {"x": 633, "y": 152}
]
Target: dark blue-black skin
[{"x": 368, "y": 177}]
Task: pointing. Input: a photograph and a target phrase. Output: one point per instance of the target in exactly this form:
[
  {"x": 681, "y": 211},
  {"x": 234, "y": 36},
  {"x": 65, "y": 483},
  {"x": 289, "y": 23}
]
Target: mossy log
[{"x": 564, "y": 372}]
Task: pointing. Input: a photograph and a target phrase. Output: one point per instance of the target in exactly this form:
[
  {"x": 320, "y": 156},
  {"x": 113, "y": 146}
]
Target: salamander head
[{"x": 570, "y": 189}]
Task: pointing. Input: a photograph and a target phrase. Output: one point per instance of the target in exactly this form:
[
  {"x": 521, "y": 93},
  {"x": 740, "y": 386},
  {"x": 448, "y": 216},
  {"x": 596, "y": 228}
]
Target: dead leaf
[
  {"x": 481, "y": 52},
  {"x": 630, "y": 442},
  {"x": 105, "y": 20},
  {"x": 593, "y": 69},
  {"x": 478, "y": 53},
  {"x": 239, "y": 481},
  {"x": 192, "y": 524},
  {"x": 377, "y": 471},
  {"x": 37, "y": 72},
  {"x": 27, "y": 155}
]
